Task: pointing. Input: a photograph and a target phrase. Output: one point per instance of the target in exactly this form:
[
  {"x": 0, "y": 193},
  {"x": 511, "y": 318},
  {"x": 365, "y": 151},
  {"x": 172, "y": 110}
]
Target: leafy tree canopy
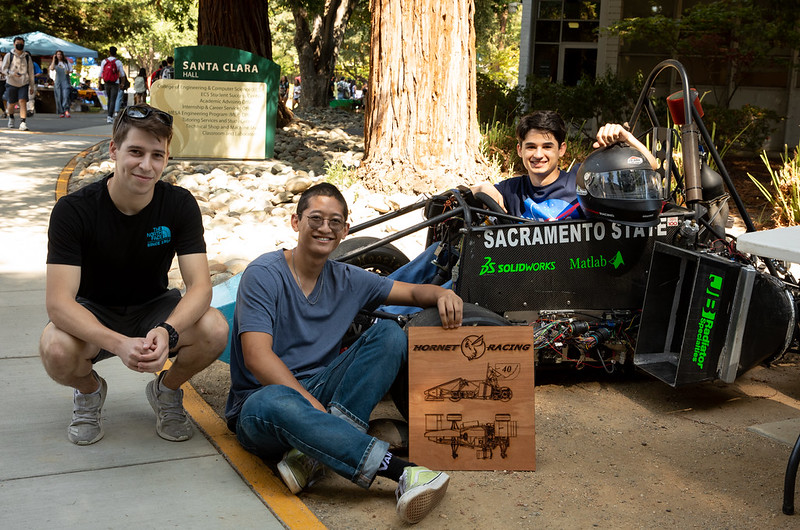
[
  {"x": 733, "y": 36},
  {"x": 497, "y": 34},
  {"x": 91, "y": 23}
]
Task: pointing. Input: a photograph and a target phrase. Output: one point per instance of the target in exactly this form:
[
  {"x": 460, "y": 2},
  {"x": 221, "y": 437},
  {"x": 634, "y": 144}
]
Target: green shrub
[
  {"x": 785, "y": 195},
  {"x": 499, "y": 146},
  {"x": 339, "y": 175},
  {"x": 607, "y": 98},
  {"x": 497, "y": 102},
  {"x": 745, "y": 129}
]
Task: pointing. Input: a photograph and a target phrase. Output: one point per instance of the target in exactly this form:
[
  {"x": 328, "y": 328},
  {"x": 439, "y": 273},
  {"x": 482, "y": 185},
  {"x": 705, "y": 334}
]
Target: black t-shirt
[
  {"x": 124, "y": 259},
  {"x": 555, "y": 201}
]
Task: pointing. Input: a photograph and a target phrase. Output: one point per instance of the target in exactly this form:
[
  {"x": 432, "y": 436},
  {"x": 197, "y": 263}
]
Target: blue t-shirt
[
  {"x": 541, "y": 203},
  {"x": 307, "y": 337}
]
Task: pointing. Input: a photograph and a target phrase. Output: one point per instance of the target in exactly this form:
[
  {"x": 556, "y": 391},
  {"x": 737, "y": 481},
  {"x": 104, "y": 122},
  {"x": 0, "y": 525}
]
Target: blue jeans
[
  {"x": 61, "y": 93},
  {"x": 419, "y": 270},
  {"x": 277, "y": 418}
]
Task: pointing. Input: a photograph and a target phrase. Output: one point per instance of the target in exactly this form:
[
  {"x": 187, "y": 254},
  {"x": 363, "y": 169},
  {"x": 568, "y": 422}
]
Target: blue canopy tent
[{"x": 38, "y": 43}]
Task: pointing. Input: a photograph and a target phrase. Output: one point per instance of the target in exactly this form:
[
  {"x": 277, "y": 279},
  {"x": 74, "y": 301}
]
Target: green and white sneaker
[
  {"x": 299, "y": 471},
  {"x": 419, "y": 491}
]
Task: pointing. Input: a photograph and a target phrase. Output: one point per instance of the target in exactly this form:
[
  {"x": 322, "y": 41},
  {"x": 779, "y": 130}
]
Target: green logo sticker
[
  {"x": 596, "y": 262},
  {"x": 706, "y": 322},
  {"x": 490, "y": 267}
]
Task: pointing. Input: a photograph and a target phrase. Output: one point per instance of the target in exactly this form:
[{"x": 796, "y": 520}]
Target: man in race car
[{"x": 547, "y": 193}]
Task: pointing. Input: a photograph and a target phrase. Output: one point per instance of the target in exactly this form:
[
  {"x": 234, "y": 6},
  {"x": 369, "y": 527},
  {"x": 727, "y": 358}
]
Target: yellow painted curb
[
  {"x": 63, "y": 178},
  {"x": 287, "y": 507}
]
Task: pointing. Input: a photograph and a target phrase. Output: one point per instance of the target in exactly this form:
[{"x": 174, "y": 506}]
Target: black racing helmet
[{"x": 616, "y": 183}]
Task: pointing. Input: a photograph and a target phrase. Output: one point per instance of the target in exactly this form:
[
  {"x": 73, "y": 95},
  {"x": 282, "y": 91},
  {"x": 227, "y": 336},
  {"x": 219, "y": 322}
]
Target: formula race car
[{"x": 649, "y": 279}]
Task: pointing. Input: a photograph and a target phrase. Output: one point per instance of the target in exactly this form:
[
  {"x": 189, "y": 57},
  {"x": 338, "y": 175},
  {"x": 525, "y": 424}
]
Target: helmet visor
[{"x": 626, "y": 184}]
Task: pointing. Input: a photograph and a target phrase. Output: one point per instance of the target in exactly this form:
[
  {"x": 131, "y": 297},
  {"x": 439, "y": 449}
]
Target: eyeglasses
[
  {"x": 140, "y": 112},
  {"x": 315, "y": 222}
]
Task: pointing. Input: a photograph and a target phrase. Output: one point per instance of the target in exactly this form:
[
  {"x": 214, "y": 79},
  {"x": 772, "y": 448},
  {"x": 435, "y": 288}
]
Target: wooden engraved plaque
[{"x": 471, "y": 398}]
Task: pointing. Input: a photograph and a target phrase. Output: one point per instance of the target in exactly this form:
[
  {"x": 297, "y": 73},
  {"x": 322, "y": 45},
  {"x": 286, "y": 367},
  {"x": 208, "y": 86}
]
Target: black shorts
[{"x": 133, "y": 320}]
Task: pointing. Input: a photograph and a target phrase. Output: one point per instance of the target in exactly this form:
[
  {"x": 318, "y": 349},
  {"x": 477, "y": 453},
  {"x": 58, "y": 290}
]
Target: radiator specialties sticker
[
  {"x": 558, "y": 234},
  {"x": 706, "y": 323}
]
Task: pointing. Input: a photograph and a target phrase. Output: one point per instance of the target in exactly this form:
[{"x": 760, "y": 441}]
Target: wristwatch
[{"x": 173, "y": 335}]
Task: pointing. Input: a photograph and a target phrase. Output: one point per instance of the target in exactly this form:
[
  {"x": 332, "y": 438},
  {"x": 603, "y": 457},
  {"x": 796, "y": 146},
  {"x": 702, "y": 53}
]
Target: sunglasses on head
[{"x": 140, "y": 112}]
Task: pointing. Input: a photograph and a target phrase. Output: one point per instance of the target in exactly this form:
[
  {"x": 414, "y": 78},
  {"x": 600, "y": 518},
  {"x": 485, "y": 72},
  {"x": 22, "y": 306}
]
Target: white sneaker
[
  {"x": 11, "y": 122},
  {"x": 109, "y": 120},
  {"x": 419, "y": 491},
  {"x": 23, "y": 126}
]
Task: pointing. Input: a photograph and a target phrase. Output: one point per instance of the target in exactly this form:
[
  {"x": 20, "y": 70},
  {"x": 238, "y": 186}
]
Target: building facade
[{"x": 559, "y": 41}]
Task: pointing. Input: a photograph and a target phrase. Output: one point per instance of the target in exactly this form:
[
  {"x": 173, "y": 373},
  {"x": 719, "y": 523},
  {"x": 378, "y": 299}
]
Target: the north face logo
[{"x": 159, "y": 236}]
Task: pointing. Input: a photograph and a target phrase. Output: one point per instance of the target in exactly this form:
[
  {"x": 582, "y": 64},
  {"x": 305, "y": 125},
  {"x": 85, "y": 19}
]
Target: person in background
[
  {"x": 61, "y": 69},
  {"x": 296, "y": 93},
  {"x": 283, "y": 89},
  {"x": 140, "y": 87},
  {"x": 157, "y": 74},
  {"x": 17, "y": 66},
  {"x": 168, "y": 71},
  {"x": 122, "y": 95},
  {"x": 112, "y": 73},
  {"x": 3, "y": 88}
]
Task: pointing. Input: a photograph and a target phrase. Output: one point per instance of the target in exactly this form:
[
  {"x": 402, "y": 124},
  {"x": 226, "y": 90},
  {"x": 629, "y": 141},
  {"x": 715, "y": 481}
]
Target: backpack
[
  {"x": 110, "y": 71},
  {"x": 168, "y": 72},
  {"x": 18, "y": 64}
]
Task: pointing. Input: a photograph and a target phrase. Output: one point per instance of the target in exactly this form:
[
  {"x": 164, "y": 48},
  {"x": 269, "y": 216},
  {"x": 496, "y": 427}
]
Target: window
[{"x": 565, "y": 39}]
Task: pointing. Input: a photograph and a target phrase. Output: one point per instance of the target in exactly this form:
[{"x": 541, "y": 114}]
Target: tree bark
[
  {"x": 421, "y": 130},
  {"x": 318, "y": 39},
  {"x": 240, "y": 24}
]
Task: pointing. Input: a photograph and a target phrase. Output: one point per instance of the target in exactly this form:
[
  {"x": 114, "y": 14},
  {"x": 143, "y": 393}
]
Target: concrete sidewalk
[{"x": 131, "y": 478}]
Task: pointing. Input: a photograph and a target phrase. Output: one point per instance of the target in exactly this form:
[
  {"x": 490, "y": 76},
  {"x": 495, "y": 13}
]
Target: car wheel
[{"x": 383, "y": 260}]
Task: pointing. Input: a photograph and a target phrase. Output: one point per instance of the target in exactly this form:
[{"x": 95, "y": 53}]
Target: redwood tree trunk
[
  {"x": 240, "y": 24},
  {"x": 421, "y": 130},
  {"x": 318, "y": 38}
]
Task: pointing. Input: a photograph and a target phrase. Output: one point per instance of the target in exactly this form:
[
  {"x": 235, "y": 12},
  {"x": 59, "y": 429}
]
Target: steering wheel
[{"x": 490, "y": 203}]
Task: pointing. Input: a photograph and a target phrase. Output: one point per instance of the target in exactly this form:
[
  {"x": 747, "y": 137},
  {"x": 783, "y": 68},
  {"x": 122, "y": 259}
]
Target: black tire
[
  {"x": 474, "y": 315},
  {"x": 383, "y": 260}
]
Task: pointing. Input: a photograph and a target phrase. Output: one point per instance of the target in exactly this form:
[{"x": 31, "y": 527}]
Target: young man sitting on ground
[{"x": 293, "y": 393}]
